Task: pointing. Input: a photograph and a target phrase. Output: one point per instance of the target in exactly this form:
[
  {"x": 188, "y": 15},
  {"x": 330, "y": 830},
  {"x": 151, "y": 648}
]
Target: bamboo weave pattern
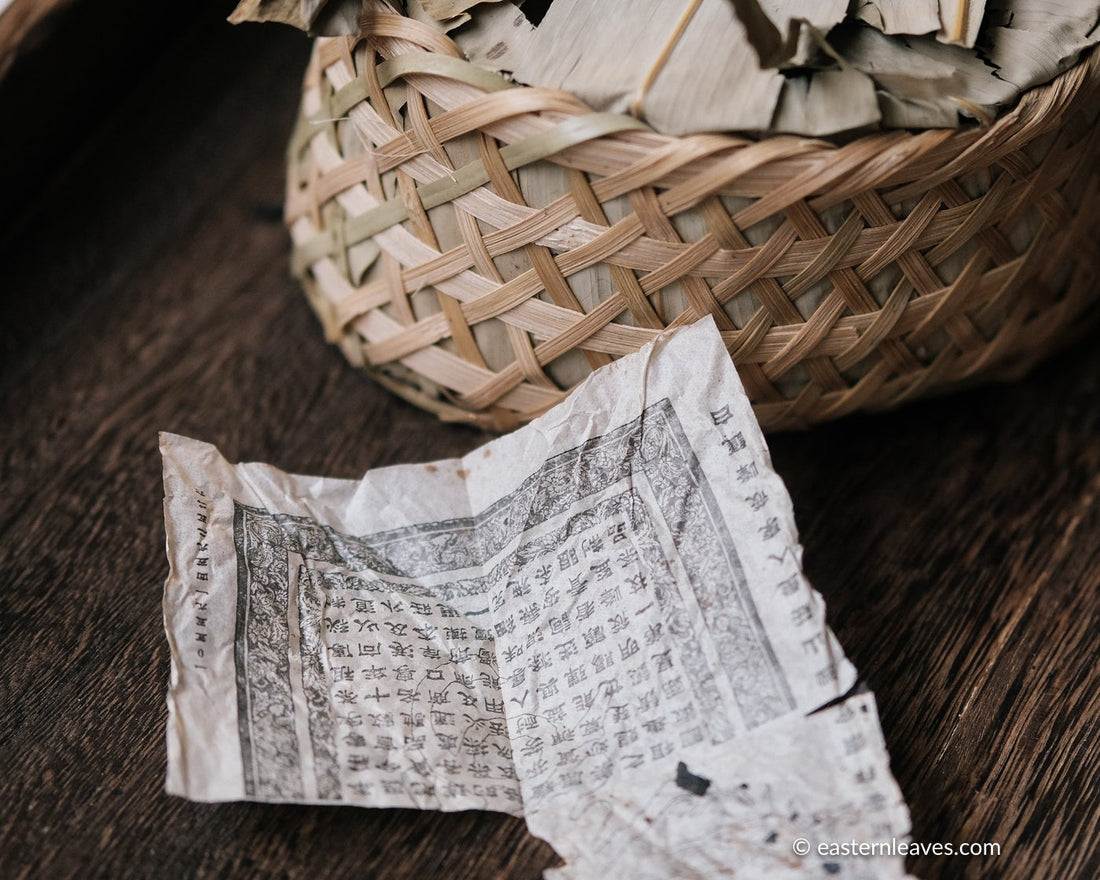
[{"x": 480, "y": 246}]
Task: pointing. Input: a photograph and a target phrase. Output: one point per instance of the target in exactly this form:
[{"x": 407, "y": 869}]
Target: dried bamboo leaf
[
  {"x": 945, "y": 78},
  {"x": 916, "y": 112},
  {"x": 327, "y": 18},
  {"x": 827, "y": 102},
  {"x": 445, "y": 10},
  {"x": 806, "y": 22},
  {"x": 772, "y": 47},
  {"x": 1023, "y": 43},
  {"x": 292, "y": 12},
  {"x": 1031, "y": 41},
  {"x": 414, "y": 9},
  {"x": 900, "y": 16},
  {"x": 579, "y": 47},
  {"x": 338, "y": 18},
  {"x": 820, "y": 14},
  {"x": 497, "y": 38},
  {"x": 960, "y": 21}
]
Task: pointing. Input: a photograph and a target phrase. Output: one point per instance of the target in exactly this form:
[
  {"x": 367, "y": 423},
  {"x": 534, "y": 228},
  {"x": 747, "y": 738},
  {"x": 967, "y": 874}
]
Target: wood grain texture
[{"x": 957, "y": 542}]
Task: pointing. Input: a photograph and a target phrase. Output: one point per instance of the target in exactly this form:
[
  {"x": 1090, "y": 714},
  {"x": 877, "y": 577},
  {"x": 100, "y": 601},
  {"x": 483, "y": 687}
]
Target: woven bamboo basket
[{"x": 479, "y": 247}]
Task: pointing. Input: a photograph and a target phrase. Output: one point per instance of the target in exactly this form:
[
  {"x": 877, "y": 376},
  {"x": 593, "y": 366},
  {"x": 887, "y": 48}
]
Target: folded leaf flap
[{"x": 329, "y": 18}]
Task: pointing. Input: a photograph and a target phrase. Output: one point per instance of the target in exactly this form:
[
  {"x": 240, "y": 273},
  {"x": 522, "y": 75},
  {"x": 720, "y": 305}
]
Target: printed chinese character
[
  {"x": 592, "y": 545},
  {"x": 593, "y": 727},
  {"x": 735, "y": 443},
  {"x": 568, "y": 649},
  {"x": 602, "y": 661},
  {"x": 628, "y": 558},
  {"x": 560, "y": 623},
  {"x": 790, "y": 586},
  {"x": 747, "y": 472},
  {"x": 692, "y": 736},
  {"x": 601, "y": 570},
  {"x": 555, "y": 714},
  {"x": 397, "y": 649},
  {"x": 654, "y": 725},
  {"x": 619, "y": 623},
  {"x": 674, "y": 686},
  {"x": 593, "y": 636},
  {"x": 358, "y": 763},
  {"x": 547, "y": 688},
  {"x": 757, "y": 500},
  {"x": 771, "y": 528},
  {"x": 520, "y": 588},
  {"x": 624, "y": 738},
  {"x": 721, "y": 416}
]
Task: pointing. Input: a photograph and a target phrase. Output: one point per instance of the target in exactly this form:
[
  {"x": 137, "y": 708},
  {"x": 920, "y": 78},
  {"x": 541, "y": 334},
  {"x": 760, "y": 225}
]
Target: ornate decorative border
[{"x": 653, "y": 446}]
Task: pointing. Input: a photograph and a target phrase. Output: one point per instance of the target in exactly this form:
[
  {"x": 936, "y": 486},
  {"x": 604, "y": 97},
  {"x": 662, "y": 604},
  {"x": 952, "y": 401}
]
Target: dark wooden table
[{"x": 145, "y": 288}]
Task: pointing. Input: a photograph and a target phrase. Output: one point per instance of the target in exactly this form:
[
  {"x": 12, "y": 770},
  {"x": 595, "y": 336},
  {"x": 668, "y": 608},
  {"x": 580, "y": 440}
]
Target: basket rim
[{"x": 906, "y": 161}]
